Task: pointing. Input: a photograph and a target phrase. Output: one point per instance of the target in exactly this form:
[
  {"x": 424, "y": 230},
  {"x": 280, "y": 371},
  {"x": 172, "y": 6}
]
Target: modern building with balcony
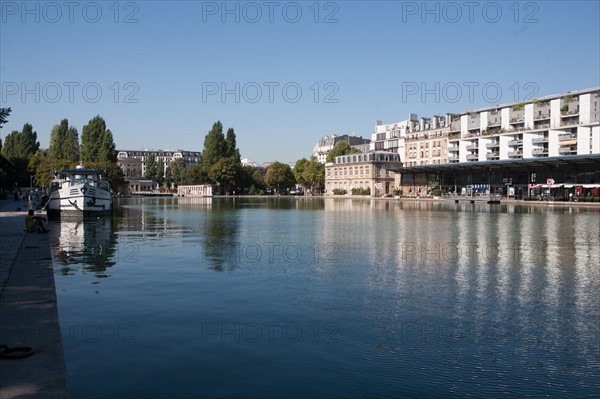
[
  {"x": 519, "y": 145},
  {"x": 562, "y": 124}
]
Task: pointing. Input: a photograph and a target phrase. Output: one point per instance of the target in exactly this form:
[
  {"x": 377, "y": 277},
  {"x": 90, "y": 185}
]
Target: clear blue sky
[{"x": 161, "y": 66}]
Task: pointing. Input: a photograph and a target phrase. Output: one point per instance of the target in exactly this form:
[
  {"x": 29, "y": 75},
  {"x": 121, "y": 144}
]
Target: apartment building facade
[
  {"x": 133, "y": 162},
  {"x": 326, "y": 144},
  {"x": 391, "y": 137},
  {"x": 367, "y": 171},
  {"x": 426, "y": 143},
  {"x": 558, "y": 125},
  {"x": 513, "y": 147}
]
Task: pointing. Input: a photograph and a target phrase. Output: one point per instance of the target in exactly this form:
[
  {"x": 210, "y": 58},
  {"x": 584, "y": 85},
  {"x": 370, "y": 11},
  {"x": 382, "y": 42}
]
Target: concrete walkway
[{"x": 28, "y": 310}]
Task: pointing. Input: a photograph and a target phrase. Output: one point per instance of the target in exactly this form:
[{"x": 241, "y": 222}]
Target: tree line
[
  {"x": 96, "y": 150},
  {"x": 219, "y": 164}
]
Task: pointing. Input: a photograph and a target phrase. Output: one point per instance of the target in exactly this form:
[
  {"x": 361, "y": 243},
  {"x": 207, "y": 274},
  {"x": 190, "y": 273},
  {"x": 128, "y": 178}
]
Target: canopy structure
[{"x": 591, "y": 161}]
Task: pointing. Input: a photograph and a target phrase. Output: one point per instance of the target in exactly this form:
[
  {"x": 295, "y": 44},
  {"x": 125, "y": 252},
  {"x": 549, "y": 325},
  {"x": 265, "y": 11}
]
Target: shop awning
[{"x": 567, "y": 142}]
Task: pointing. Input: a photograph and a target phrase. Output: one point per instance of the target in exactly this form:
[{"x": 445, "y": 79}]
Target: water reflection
[
  {"x": 457, "y": 296},
  {"x": 220, "y": 247},
  {"x": 86, "y": 245}
]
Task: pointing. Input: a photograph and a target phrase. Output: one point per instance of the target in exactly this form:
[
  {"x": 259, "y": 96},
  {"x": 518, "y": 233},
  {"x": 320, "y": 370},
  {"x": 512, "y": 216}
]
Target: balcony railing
[
  {"x": 492, "y": 155},
  {"x": 540, "y": 140},
  {"x": 518, "y": 119},
  {"x": 513, "y": 143},
  {"x": 543, "y": 115},
  {"x": 567, "y": 150},
  {"x": 569, "y": 113},
  {"x": 564, "y": 137},
  {"x": 515, "y": 153},
  {"x": 570, "y": 122},
  {"x": 536, "y": 151},
  {"x": 472, "y": 157},
  {"x": 473, "y": 147},
  {"x": 492, "y": 145},
  {"x": 452, "y": 158},
  {"x": 452, "y": 149}
]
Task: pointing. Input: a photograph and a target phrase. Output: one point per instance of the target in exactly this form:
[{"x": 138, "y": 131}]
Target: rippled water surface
[{"x": 345, "y": 298}]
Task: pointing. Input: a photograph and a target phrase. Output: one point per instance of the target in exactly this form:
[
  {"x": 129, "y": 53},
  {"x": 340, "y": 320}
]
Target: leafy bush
[
  {"x": 361, "y": 191},
  {"x": 339, "y": 191},
  {"x": 254, "y": 191},
  {"x": 398, "y": 192},
  {"x": 437, "y": 192}
]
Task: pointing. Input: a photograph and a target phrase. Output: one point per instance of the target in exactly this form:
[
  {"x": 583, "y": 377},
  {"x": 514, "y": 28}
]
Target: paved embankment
[{"x": 28, "y": 310}]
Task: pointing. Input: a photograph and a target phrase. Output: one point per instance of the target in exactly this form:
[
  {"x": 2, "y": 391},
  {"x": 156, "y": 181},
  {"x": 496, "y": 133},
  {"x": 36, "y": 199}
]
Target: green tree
[
  {"x": 246, "y": 179},
  {"x": 225, "y": 172},
  {"x": 279, "y": 176},
  {"x": 97, "y": 143},
  {"x": 310, "y": 174},
  {"x": 195, "y": 175},
  {"x": 114, "y": 175},
  {"x": 168, "y": 174},
  {"x": 41, "y": 167},
  {"x": 215, "y": 147},
  {"x": 4, "y": 113},
  {"x": 177, "y": 171},
  {"x": 314, "y": 175},
  {"x": 64, "y": 142},
  {"x": 151, "y": 167},
  {"x": 231, "y": 149},
  {"x": 20, "y": 146},
  {"x": 107, "y": 151},
  {"x": 341, "y": 148},
  {"x": 258, "y": 179},
  {"x": 299, "y": 170},
  {"x": 160, "y": 170}
]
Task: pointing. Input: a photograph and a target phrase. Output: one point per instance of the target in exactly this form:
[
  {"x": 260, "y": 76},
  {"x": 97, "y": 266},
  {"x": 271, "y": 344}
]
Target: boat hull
[{"x": 79, "y": 200}]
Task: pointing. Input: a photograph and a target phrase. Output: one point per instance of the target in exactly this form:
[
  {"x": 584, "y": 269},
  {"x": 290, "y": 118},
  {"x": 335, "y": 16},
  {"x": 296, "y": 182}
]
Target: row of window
[
  {"x": 349, "y": 171},
  {"x": 357, "y": 171},
  {"x": 427, "y": 135},
  {"x": 414, "y": 146},
  {"x": 145, "y": 154},
  {"x": 369, "y": 157},
  {"x": 434, "y": 153}
]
